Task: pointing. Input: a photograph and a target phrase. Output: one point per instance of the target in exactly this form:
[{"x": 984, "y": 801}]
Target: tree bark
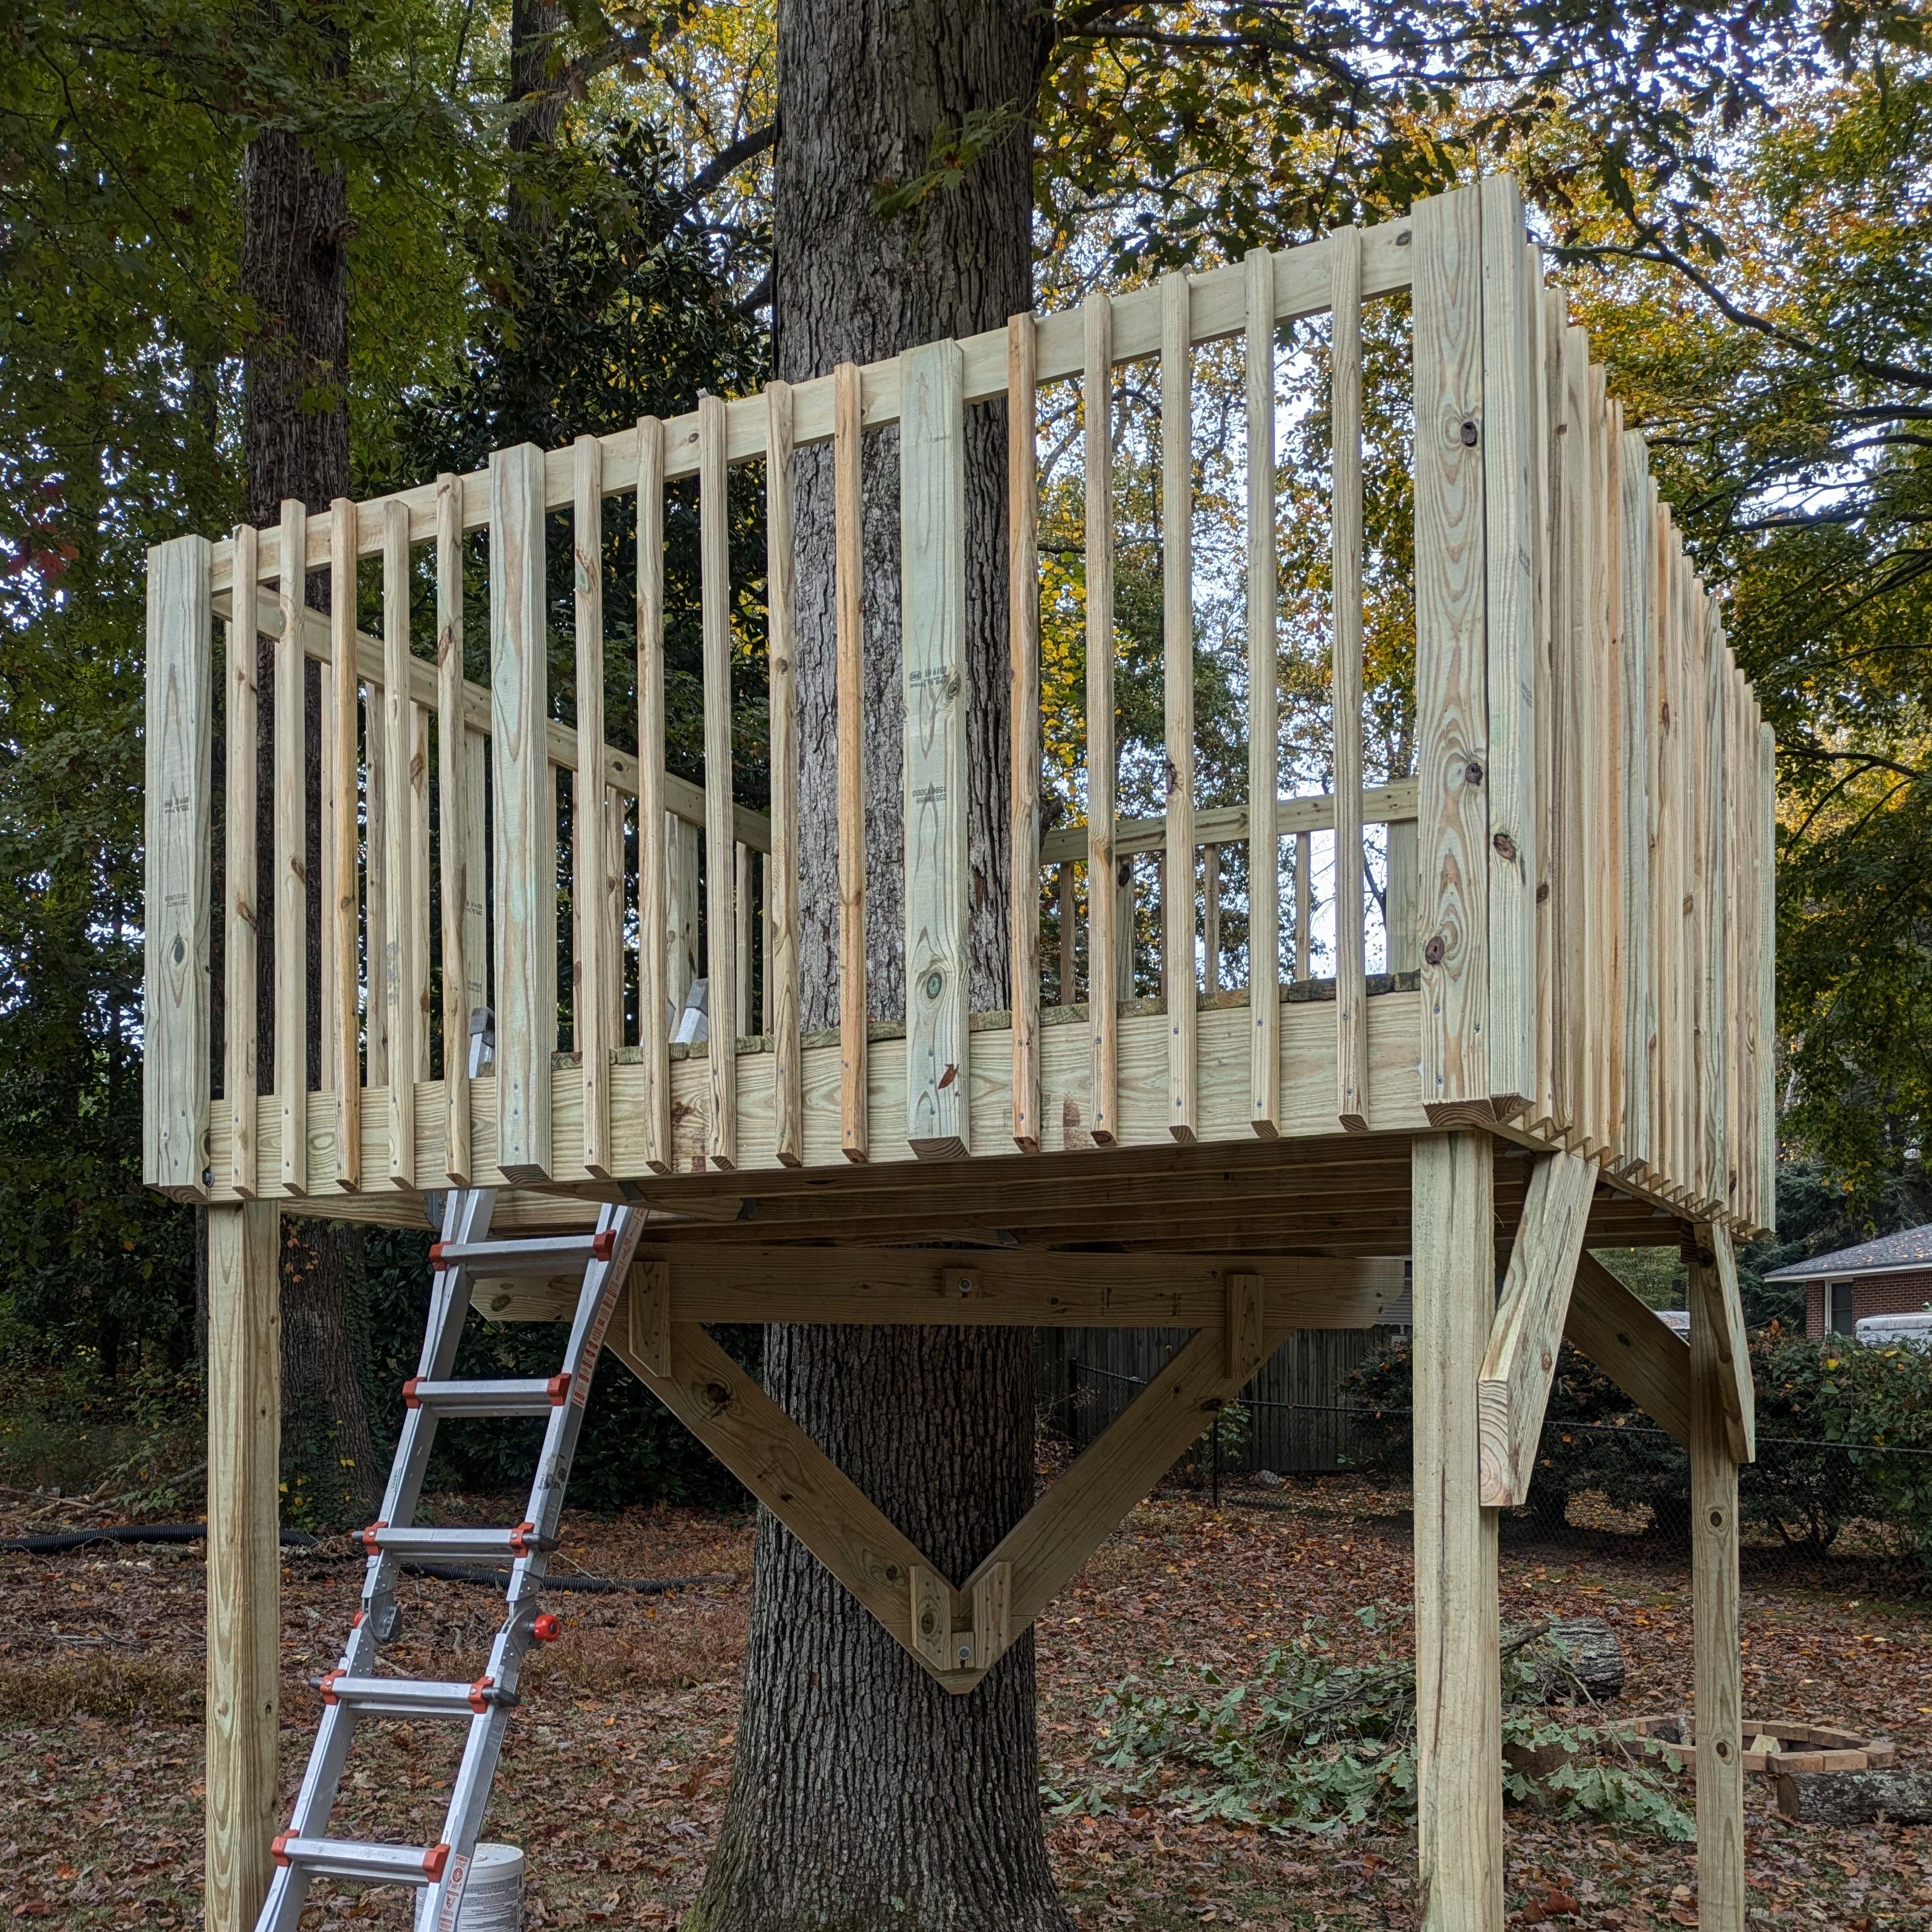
[
  {"x": 295, "y": 231},
  {"x": 535, "y": 26},
  {"x": 862, "y": 1795}
]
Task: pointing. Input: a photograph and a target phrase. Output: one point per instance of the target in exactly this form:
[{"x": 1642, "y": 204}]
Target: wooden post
[
  {"x": 1176, "y": 531},
  {"x": 721, "y": 931},
  {"x": 1508, "y": 550},
  {"x": 181, "y": 629},
  {"x": 1714, "y": 1607},
  {"x": 1103, "y": 912},
  {"x": 1023, "y": 647},
  {"x": 1451, "y": 649},
  {"x": 783, "y": 1008},
  {"x": 241, "y": 1072},
  {"x": 1264, "y": 710},
  {"x": 657, "y": 986},
  {"x": 1459, "y": 1706},
  {"x": 597, "y": 962},
  {"x": 398, "y": 965},
  {"x": 1351, "y": 1006},
  {"x": 455, "y": 805},
  {"x": 848, "y": 519},
  {"x": 344, "y": 834},
  {"x": 932, "y": 538},
  {"x": 245, "y": 1407},
  {"x": 291, "y": 817},
  {"x": 525, "y": 820}
]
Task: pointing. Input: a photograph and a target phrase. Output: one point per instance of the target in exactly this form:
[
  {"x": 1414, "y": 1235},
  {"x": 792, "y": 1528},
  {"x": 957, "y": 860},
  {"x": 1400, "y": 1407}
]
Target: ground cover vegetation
[{"x": 615, "y": 1774}]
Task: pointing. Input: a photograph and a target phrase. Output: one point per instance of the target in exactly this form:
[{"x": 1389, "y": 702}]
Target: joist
[{"x": 1513, "y": 1389}]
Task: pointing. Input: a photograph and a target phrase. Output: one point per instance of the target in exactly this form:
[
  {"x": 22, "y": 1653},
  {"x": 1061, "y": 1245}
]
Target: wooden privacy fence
[{"x": 1580, "y": 869}]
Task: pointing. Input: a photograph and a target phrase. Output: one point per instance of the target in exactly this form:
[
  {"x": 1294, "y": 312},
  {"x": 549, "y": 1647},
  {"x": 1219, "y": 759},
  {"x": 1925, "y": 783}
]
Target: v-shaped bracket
[{"x": 956, "y": 1632}]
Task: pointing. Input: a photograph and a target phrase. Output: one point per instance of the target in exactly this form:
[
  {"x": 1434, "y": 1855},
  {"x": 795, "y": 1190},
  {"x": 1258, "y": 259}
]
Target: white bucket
[{"x": 493, "y": 1896}]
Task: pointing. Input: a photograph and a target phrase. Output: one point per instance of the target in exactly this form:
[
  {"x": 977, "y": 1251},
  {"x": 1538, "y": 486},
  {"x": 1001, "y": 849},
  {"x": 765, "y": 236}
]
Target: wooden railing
[{"x": 1579, "y": 871}]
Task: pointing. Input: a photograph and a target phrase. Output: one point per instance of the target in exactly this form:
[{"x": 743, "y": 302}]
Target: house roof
[{"x": 1910, "y": 1249}]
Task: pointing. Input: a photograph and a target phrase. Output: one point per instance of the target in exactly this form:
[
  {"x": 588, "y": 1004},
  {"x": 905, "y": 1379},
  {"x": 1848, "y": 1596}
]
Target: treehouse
[{"x": 1369, "y": 856}]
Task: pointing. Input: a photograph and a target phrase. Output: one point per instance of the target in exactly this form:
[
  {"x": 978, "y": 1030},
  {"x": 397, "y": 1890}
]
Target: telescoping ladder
[{"x": 352, "y": 1689}]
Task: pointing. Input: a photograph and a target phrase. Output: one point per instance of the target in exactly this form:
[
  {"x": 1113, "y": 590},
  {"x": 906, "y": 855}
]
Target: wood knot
[
  {"x": 1435, "y": 950},
  {"x": 1505, "y": 847}
]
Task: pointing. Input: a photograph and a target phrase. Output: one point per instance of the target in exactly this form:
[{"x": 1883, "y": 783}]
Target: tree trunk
[
  {"x": 862, "y": 1795},
  {"x": 535, "y": 58},
  {"x": 296, "y": 230}
]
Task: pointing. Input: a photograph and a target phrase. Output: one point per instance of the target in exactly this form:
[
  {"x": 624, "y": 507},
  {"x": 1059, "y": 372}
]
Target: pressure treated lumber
[
  {"x": 1717, "y": 1672},
  {"x": 240, "y": 952},
  {"x": 403, "y": 1016},
  {"x": 720, "y": 963},
  {"x": 1521, "y": 1363},
  {"x": 1104, "y": 932},
  {"x": 656, "y": 990},
  {"x": 1623, "y": 1335},
  {"x": 243, "y": 1558},
  {"x": 1453, "y": 751},
  {"x": 783, "y": 993},
  {"x": 1459, "y": 1712},
  {"x": 174, "y": 1069},
  {"x": 1023, "y": 820},
  {"x": 938, "y": 888},
  {"x": 593, "y": 1004},
  {"x": 1263, "y": 706},
  {"x": 525, "y": 816},
  {"x": 344, "y": 1070},
  {"x": 983, "y": 1287},
  {"x": 1510, "y": 295},
  {"x": 1176, "y": 522},
  {"x": 1715, "y": 1298},
  {"x": 291, "y": 874},
  {"x": 1351, "y": 1060},
  {"x": 849, "y": 682},
  {"x": 455, "y": 805}
]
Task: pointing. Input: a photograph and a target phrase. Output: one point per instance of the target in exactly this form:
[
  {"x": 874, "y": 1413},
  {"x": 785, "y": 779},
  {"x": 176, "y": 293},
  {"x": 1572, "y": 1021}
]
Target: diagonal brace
[{"x": 1514, "y": 1388}]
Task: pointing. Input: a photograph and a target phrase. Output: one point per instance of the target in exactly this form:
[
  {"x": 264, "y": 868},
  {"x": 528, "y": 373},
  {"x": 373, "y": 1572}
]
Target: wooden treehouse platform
[{"x": 1541, "y": 1023}]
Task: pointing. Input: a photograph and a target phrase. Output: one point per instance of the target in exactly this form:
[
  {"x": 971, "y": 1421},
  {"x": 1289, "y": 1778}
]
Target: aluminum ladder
[{"x": 352, "y": 1689}]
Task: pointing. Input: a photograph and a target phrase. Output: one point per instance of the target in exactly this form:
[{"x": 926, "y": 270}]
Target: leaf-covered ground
[{"x": 617, "y": 1763}]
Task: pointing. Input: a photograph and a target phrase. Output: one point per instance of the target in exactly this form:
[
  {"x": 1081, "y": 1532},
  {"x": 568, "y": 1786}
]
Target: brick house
[{"x": 1892, "y": 1276}]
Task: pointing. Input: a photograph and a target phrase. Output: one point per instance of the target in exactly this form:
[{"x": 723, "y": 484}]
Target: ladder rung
[
  {"x": 423, "y": 1540},
  {"x": 547, "y": 1255},
  {"x": 412, "y": 1696},
  {"x": 527, "y": 1396},
  {"x": 357, "y": 1858}
]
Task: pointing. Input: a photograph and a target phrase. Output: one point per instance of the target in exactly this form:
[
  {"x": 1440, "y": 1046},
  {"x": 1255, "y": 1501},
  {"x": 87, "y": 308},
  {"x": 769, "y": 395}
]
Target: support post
[
  {"x": 244, "y": 1408},
  {"x": 1718, "y": 1676},
  {"x": 1459, "y": 1697}
]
